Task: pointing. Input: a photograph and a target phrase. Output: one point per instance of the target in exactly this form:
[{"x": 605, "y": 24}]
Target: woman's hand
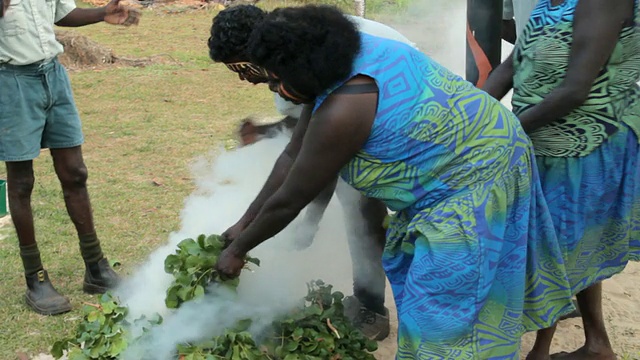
[
  {"x": 501, "y": 79},
  {"x": 230, "y": 263},
  {"x": 233, "y": 233}
]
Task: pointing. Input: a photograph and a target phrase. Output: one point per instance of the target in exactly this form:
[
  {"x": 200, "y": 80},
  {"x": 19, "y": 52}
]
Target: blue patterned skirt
[
  {"x": 473, "y": 272},
  {"x": 595, "y": 204}
]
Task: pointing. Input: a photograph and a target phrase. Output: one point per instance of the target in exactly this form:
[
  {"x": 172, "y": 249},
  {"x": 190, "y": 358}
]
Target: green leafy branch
[
  {"x": 192, "y": 268},
  {"x": 318, "y": 330}
]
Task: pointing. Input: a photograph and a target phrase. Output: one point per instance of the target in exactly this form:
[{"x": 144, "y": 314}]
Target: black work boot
[
  {"x": 99, "y": 277},
  {"x": 42, "y": 297}
]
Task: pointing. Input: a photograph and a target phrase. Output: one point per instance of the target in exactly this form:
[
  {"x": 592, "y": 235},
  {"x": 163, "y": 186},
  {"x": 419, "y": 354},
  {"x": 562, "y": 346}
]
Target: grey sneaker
[{"x": 373, "y": 325}]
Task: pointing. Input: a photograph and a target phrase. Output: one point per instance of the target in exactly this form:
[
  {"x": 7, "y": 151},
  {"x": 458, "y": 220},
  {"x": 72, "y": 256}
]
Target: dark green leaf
[
  {"x": 58, "y": 348},
  {"x": 198, "y": 292}
]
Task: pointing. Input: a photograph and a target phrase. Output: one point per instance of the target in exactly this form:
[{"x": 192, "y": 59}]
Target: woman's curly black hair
[
  {"x": 231, "y": 30},
  {"x": 310, "y": 48}
]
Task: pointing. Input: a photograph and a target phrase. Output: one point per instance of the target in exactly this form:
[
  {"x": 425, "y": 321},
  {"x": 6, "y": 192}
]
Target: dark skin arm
[
  {"x": 508, "y": 25},
  {"x": 112, "y": 13},
  {"x": 249, "y": 134},
  {"x": 597, "y": 25},
  {"x": 276, "y": 177},
  {"x": 338, "y": 131},
  {"x": 501, "y": 79},
  {"x": 81, "y": 17},
  {"x": 509, "y": 31}
]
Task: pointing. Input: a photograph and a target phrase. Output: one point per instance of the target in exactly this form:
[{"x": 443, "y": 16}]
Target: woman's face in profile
[{"x": 286, "y": 91}]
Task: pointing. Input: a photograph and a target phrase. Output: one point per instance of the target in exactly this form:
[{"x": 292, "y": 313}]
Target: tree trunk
[{"x": 360, "y": 7}]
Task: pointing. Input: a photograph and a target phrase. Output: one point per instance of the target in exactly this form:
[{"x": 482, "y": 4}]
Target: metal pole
[{"x": 484, "y": 43}]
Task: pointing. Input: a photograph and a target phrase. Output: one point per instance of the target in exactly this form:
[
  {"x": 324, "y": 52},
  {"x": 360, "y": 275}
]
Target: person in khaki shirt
[{"x": 37, "y": 110}]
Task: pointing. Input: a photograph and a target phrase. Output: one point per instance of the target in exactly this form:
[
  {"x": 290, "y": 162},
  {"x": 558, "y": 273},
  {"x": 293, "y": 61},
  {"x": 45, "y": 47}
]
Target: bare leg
[
  {"x": 597, "y": 345},
  {"x": 41, "y": 296},
  {"x": 366, "y": 244},
  {"x": 20, "y": 182},
  {"x": 542, "y": 346},
  {"x": 366, "y": 239},
  {"x": 72, "y": 173}
]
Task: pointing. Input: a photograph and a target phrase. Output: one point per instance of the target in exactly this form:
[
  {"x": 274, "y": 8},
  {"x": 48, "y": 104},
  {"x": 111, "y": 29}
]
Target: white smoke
[{"x": 225, "y": 188}]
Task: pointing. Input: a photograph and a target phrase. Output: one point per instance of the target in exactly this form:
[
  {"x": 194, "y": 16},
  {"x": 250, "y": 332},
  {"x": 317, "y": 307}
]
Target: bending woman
[{"x": 471, "y": 253}]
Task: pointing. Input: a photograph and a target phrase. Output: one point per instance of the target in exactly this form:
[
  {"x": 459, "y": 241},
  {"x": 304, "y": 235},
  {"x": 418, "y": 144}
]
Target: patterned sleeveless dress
[
  {"x": 471, "y": 252},
  {"x": 589, "y": 160}
]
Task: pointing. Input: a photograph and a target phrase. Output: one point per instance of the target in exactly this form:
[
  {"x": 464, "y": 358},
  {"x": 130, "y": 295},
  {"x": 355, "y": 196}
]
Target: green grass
[{"x": 141, "y": 125}]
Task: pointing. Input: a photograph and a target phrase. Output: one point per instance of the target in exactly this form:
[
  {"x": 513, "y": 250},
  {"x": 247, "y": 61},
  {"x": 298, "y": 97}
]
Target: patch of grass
[{"x": 141, "y": 125}]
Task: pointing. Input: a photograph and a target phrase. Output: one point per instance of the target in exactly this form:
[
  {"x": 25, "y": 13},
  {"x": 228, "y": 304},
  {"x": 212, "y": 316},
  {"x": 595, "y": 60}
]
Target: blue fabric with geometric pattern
[
  {"x": 471, "y": 252},
  {"x": 589, "y": 160}
]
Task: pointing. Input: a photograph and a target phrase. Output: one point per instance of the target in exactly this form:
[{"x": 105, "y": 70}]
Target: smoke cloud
[{"x": 226, "y": 183}]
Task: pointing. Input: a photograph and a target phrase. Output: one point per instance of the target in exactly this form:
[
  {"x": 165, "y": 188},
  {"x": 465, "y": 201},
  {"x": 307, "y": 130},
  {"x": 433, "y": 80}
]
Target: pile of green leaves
[
  {"x": 192, "y": 268},
  {"x": 103, "y": 334},
  {"x": 318, "y": 330}
]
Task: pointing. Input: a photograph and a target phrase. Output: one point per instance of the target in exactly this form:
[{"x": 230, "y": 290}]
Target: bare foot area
[
  {"x": 532, "y": 356},
  {"x": 584, "y": 354},
  {"x": 621, "y": 307}
]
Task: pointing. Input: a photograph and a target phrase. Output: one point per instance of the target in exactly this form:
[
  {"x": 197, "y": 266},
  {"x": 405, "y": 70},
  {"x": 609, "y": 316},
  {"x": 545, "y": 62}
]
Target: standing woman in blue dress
[{"x": 574, "y": 74}]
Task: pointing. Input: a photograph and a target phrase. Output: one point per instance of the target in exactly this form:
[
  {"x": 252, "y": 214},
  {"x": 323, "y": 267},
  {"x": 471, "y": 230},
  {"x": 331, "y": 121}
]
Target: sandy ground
[{"x": 621, "y": 303}]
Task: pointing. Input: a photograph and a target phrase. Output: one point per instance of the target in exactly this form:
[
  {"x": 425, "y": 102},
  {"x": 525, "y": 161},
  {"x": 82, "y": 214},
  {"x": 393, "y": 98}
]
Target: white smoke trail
[{"x": 225, "y": 187}]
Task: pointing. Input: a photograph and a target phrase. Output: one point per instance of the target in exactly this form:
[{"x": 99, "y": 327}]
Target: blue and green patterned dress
[
  {"x": 471, "y": 252},
  {"x": 589, "y": 160}
]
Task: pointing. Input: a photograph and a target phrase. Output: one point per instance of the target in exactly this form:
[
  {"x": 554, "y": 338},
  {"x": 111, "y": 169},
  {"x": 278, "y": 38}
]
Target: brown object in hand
[
  {"x": 248, "y": 133},
  {"x": 251, "y": 133}
]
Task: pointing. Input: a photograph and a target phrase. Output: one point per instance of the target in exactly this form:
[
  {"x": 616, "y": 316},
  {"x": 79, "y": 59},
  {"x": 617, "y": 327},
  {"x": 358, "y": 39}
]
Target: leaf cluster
[
  {"x": 103, "y": 334},
  {"x": 317, "y": 330},
  {"x": 192, "y": 267}
]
